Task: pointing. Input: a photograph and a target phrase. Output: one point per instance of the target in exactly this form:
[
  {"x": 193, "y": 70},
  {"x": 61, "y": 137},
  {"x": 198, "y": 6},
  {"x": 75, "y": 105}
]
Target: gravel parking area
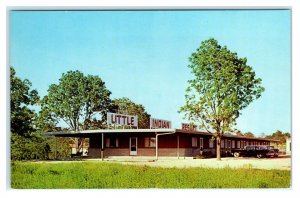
[{"x": 280, "y": 163}]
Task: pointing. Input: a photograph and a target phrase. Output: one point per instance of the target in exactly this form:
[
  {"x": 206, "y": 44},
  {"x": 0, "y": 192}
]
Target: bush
[{"x": 28, "y": 147}]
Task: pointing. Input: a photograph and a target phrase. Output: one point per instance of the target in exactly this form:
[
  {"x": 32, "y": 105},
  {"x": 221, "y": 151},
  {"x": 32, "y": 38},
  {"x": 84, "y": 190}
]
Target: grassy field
[{"x": 86, "y": 175}]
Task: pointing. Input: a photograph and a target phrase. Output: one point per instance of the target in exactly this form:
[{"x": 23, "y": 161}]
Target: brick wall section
[
  {"x": 116, "y": 152},
  {"x": 167, "y": 152},
  {"x": 167, "y": 145},
  {"x": 146, "y": 152},
  {"x": 162, "y": 152},
  {"x": 94, "y": 152}
]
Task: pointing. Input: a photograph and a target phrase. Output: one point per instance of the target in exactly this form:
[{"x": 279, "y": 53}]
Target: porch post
[
  {"x": 102, "y": 142},
  {"x": 55, "y": 152},
  {"x": 156, "y": 147},
  {"x": 178, "y": 146}
]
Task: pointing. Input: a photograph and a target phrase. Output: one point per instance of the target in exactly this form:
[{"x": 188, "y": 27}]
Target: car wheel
[
  {"x": 236, "y": 154},
  {"x": 259, "y": 155}
]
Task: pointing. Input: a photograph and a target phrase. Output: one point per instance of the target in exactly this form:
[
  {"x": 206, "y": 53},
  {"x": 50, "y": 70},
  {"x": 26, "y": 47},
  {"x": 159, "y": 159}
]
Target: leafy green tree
[
  {"x": 126, "y": 106},
  {"x": 281, "y": 136},
  {"x": 43, "y": 123},
  {"x": 239, "y": 133},
  {"x": 222, "y": 86},
  {"x": 26, "y": 142},
  {"x": 262, "y": 135},
  {"x": 76, "y": 100},
  {"x": 21, "y": 96},
  {"x": 249, "y": 134}
]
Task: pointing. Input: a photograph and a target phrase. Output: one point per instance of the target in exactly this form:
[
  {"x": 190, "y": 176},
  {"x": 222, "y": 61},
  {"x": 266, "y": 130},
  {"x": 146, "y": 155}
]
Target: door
[{"x": 133, "y": 145}]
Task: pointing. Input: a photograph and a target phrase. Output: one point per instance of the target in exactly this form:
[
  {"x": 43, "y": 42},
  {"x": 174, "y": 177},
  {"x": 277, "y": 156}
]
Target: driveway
[{"x": 280, "y": 163}]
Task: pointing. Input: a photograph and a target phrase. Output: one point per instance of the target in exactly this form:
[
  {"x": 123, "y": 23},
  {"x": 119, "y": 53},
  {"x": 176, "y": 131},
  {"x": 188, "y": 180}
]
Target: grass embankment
[{"x": 83, "y": 175}]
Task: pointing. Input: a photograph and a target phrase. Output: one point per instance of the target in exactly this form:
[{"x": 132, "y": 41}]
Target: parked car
[{"x": 255, "y": 151}]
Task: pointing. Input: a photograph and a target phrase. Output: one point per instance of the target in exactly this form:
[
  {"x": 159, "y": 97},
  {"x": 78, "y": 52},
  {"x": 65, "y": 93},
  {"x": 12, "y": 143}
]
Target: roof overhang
[
  {"x": 193, "y": 132},
  {"x": 86, "y": 133},
  {"x": 225, "y": 135},
  {"x": 99, "y": 131},
  {"x": 250, "y": 138}
]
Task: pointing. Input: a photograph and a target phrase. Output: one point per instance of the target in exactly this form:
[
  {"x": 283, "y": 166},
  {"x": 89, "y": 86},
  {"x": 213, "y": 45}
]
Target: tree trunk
[
  {"x": 218, "y": 148},
  {"x": 79, "y": 145}
]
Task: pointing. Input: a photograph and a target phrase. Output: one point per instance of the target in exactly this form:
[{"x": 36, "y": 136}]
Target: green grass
[{"x": 85, "y": 175}]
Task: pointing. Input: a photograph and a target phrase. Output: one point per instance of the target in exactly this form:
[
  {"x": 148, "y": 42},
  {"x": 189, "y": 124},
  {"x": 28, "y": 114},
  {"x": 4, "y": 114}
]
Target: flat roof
[
  {"x": 250, "y": 138},
  {"x": 73, "y": 133},
  {"x": 224, "y": 135},
  {"x": 86, "y": 132}
]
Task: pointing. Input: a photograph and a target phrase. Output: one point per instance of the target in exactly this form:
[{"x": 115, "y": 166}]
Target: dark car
[{"x": 255, "y": 151}]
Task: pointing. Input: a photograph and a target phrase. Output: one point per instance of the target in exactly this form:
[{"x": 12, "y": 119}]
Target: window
[
  {"x": 225, "y": 143},
  {"x": 242, "y": 144},
  {"x": 233, "y": 144},
  {"x": 194, "y": 142},
  {"x": 222, "y": 143},
  {"x": 117, "y": 142},
  {"x": 150, "y": 142},
  {"x": 112, "y": 142},
  {"x": 238, "y": 144},
  {"x": 228, "y": 143},
  {"x": 201, "y": 143},
  {"x": 211, "y": 143},
  {"x": 107, "y": 142},
  {"x": 250, "y": 148}
]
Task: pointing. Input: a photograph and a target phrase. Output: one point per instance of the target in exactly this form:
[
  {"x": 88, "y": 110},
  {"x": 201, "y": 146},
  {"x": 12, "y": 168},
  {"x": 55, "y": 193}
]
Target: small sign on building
[
  {"x": 122, "y": 120},
  {"x": 160, "y": 124},
  {"x": 188, "y": 127}
]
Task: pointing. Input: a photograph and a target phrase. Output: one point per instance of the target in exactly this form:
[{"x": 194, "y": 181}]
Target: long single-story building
[{"x": 157, "y": 142}]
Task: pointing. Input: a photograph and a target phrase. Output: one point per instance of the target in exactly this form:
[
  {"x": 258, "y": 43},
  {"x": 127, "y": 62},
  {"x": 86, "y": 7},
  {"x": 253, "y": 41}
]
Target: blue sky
[{"x": 143, "y": 55}]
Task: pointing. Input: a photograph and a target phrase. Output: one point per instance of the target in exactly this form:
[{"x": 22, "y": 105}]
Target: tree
[
  {"x": 262, "y": 135},
  {"x": 77, "y": 100},
  {"x": 45, "y": 123},
  {"x": 281, "y": 136},
  {"x": 239, "y": 133},
  {"x": 21, "y": 97},
  {"x": 126, "y": 106},
  {"x": 223, "y": 85},
  {"x": 26, "y": 141},
  {"x": 249, "y": 134}
]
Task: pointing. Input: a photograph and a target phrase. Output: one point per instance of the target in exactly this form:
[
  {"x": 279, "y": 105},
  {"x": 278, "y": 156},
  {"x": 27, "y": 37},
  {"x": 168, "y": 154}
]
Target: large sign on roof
[
  {"x": 122, "y": 120},
  {"x": 160, "y": 124}
]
